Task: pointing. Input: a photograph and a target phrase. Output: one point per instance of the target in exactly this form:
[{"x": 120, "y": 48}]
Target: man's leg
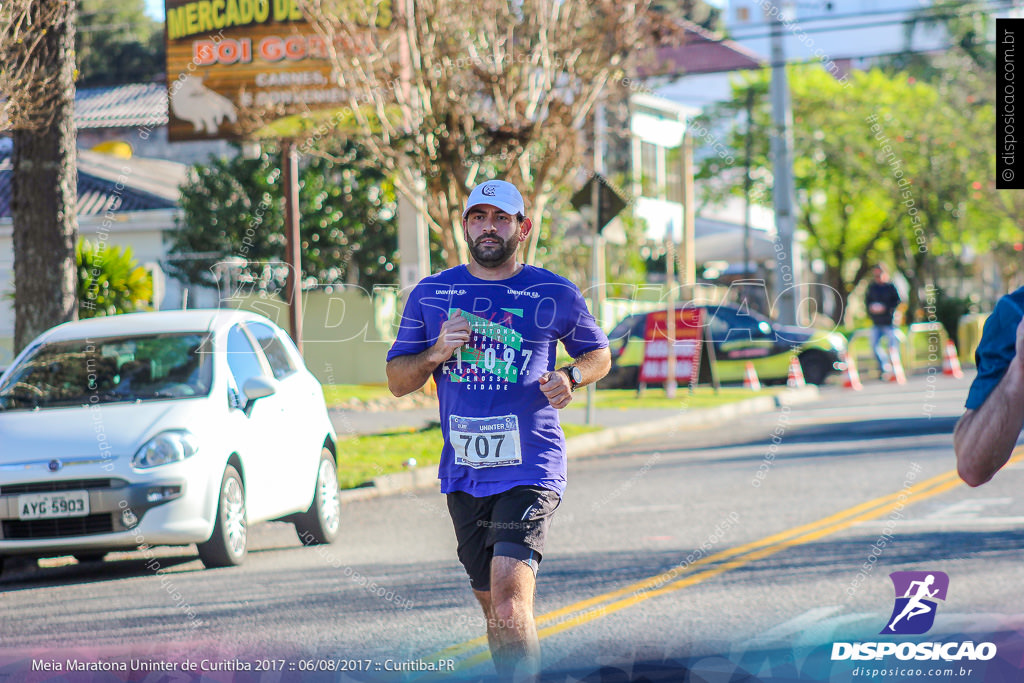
[
  {"x": 876, "y": 347},
  {"x": 484, "y": 598},
  {"x": 515, "y": 648},
  {"x": 894, "y": 341}
]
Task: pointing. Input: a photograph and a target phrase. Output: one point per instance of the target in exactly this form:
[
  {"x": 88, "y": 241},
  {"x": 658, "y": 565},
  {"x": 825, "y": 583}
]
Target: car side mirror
[{"x": 256, "y": 388}]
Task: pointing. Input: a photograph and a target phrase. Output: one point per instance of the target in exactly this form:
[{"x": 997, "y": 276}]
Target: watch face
[{"x": 577, "y": 376}]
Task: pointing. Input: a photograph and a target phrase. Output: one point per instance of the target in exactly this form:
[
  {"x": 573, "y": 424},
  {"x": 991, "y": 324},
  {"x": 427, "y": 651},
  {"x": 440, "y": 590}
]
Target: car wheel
[
  {"x": 227, "y": 545},
  {"x": 816, "y": 366},
  {"x": 84, "y": 558},
  {"x": 322, "y": 522}
]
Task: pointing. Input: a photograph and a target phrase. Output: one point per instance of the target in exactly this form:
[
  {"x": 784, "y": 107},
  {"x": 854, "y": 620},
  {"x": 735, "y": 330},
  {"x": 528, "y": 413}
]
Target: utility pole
[
  {"x": 293, "y": 249},
  {"x": 413, "y": 236},
  {"x": 671, "y": 382},
  {"x": 747, "y": 181},
  {"x": 597, "y": 265},
  {"x": 688, "y": 267},
  {"x": 787, "y": 256}
]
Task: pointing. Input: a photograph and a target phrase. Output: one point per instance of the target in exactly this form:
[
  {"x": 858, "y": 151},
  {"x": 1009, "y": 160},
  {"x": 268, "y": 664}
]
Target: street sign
[
  {"x": 229, "y": 62},
  {"x": 688, "y": 338},
  {"x": 609, "y": 200}
]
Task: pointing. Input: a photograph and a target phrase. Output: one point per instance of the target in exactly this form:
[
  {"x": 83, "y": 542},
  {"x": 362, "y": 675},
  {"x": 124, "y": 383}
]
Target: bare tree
[
  {"x": 446, "y": 94},
  {"x": 37, "y": 82}
]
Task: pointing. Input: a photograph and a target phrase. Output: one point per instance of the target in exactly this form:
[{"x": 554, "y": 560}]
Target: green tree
[
  {"x": 883, "y": 171},
  {"x": 964, "y": 76},
  {"x": 110, "y": 281},
  {"x": 118, "y": 43},
  {"x": 234, "y": 208},
  {"x": 449, "y": 93}
]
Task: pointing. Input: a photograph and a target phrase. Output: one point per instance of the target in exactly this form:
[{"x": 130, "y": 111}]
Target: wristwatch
[{"x": 574, "y": 375}]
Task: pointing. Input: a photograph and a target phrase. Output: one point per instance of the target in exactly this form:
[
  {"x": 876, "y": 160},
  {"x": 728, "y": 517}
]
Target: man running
[{"x": 488, "y": 333}]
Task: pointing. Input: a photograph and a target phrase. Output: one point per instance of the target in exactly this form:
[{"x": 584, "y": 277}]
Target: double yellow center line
[{"x": 713, "y": 565}]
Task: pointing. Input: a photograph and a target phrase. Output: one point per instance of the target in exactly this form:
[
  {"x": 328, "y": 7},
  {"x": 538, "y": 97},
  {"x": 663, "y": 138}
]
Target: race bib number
[{"x": 485, "y": 441}]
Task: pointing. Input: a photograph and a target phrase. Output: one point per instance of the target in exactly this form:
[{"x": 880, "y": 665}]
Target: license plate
[{"x": 53, "y": 505}]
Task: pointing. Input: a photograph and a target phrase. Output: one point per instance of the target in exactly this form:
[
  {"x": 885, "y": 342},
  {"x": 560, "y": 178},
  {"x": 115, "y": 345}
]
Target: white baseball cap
[{"x": 499, "y": 193}]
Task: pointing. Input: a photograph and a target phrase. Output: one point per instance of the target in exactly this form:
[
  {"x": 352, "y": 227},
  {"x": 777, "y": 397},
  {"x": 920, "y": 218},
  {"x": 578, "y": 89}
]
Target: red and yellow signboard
[
  {"x": 230, "y": 59},
  {"x": 688, "y": 338}
]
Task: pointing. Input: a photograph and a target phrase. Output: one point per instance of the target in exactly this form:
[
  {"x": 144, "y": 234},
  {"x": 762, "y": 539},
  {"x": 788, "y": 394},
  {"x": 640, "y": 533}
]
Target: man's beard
[{"x": 493, "y": 255}]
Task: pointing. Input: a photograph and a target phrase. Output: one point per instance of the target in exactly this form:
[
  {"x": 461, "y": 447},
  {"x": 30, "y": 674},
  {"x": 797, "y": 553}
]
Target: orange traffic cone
[
  {"x": 796, "y": 374},
  {"x": 897, "y": 375},
  {"x": 950, "y": 363},
  {"x": 851, "y": 378},
  {"x": 750, "y": 380}
]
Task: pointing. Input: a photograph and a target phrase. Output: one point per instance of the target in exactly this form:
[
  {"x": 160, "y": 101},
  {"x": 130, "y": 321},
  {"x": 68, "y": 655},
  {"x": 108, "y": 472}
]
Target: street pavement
[{"x": 738, "y": 552}]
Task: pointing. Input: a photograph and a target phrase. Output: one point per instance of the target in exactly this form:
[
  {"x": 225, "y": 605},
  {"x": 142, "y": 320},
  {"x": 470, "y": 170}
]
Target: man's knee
[{"x": 510, "y": 613}]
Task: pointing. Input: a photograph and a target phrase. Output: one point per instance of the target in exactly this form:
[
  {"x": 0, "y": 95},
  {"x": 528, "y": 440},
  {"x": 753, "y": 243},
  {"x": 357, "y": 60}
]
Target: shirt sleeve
[
  {"x": 583, "y": 333},
  {"x": 995, "y": 351},
  {"x": 412, "y": 330}
]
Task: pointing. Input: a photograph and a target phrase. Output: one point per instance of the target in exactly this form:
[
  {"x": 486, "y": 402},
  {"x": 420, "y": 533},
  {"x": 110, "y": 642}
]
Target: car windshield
[{"x": 113, "y": 369}]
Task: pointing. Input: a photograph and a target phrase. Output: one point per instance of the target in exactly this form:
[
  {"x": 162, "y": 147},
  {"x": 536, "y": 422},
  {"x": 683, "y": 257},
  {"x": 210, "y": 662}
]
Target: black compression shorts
[{"x": 513, "y": 524}]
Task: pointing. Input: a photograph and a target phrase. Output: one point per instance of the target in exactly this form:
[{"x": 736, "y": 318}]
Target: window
[
  {"x": 280, "y": 360},
  {"x": 242, "y": 358},
  {"x": 92, "y": 371},
  {"x": 649, "y": 179},
  {"x": 674, "y": 174}
]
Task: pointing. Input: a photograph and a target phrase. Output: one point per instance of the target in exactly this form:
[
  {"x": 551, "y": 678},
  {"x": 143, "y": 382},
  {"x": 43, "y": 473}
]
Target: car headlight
[
  {"x": 837, "y": 341},
  {"x": 166, "y": 447}
]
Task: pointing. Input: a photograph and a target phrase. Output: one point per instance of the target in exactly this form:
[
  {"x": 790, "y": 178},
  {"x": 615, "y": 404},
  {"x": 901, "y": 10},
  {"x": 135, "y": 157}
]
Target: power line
[
  {"x": 794, "y": 28},
  {"x": 939, "y": 48},
  {"x": 982, "y": 4}
]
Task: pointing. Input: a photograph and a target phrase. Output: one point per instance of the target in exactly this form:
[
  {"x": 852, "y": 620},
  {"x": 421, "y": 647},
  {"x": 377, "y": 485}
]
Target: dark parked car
[{"x": 737, "y": 337}]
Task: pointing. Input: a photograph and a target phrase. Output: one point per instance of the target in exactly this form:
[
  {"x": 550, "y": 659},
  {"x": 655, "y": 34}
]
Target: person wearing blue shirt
[
  {"x": 488, "y": 333},
  {"x": 986, "y": 434}
]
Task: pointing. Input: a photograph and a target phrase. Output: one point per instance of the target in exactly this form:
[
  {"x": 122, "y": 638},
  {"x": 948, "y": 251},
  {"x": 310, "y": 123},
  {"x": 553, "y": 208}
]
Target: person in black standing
[{"x": 882, "y": 299}]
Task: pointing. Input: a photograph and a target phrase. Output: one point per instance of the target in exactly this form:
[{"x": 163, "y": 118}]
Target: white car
[{"x": 164, "y": 428}]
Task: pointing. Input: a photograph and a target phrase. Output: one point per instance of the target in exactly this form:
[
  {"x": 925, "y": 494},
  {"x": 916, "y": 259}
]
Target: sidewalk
[
  {"x": 359, "y": 423},
  {"x": 620, "y": 426}
]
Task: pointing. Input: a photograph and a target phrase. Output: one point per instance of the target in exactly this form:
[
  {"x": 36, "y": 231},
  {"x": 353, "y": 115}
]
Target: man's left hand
[{"x": 556, "y": 388}]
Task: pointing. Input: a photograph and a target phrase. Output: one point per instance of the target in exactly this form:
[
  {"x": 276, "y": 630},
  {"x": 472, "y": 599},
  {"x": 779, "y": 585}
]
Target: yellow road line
[
  {"x": 723, "y": 561},
  {"x": 671, "y": 574}
]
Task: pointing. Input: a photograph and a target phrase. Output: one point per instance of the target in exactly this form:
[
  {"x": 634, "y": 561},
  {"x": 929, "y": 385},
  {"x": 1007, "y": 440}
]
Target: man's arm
[
  {"x": 593, "y": 366},
  {"x": 408, "y": 373},
  {"x": 984, "y": 438}
]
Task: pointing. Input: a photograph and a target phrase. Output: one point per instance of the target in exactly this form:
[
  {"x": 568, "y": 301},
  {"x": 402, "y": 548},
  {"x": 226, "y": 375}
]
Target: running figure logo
[{"x": 916, "y": 592}]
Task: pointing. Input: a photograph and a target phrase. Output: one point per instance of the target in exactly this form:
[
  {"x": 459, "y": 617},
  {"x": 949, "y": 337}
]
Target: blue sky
[{"x": 155, "y": 9}]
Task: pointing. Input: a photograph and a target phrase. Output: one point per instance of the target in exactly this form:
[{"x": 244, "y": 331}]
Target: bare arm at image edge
[{"x": 984, "y": 438}]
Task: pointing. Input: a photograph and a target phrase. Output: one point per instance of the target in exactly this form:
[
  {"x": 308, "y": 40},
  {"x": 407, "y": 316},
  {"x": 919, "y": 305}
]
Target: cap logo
[{"x": 489, "y": 190}]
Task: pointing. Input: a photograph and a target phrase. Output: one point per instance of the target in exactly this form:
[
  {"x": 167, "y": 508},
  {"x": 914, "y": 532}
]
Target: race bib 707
[{"x": 485, "y": 441}]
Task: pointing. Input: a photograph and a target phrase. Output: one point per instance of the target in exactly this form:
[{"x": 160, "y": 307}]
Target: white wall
[{"x": 142, "y": 231}]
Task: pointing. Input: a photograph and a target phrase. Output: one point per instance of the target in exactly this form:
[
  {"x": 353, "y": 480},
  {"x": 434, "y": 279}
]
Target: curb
[{"x": 586, "y": 445}]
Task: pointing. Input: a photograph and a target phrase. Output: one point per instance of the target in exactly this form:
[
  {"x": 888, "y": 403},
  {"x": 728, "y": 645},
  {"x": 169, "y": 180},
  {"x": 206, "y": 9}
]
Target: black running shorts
[{"x": 511, "y": 524}]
